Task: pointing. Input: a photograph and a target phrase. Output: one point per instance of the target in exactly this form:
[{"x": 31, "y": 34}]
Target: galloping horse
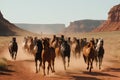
[
  {"x": 13, "y": 48},
  {"x": 38, "y": 54},
  {"x": 48, "y": 55},
  {"x": 100, "y": 51},
  {"x": 65, "y": 52},
  {"x": 75, "y": 47},
  {"x": 89, "y": 55},
  {"x": 24, "y": 44},
  {"x": 29, "y": 45},
  {"x": 56, "y": 45}
]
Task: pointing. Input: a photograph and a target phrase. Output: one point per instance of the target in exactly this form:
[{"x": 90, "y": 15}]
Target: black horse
[
  {"x": 13, "y": 48},
  {"x": 65, "y": 52},
  {"x": 38, "y": 54}
]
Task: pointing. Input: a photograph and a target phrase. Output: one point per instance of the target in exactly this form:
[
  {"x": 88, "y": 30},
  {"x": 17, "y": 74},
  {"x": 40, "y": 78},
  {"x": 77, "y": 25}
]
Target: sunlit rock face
[
  {"x": 83, "y": 25},
  {"x": 113, "y": 21}
]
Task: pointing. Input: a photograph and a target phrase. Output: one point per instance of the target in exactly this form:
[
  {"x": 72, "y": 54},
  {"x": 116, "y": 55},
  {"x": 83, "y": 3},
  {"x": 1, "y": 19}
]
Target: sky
[{"x": 55, "y": 11}]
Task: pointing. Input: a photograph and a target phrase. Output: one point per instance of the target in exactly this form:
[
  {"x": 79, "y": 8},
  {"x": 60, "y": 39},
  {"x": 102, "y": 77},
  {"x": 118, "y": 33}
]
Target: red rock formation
[{"x": 113, "y": 22}]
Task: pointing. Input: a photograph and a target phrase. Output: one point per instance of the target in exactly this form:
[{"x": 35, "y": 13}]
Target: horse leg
[
  {"x": 91, "y": 67},
  {"x": 73, "y": 53},
  {"x": 40, "y": 64},
  {"x": 100, "y": 63},
  {"x": 44, "y": 68},
  {"x": 15, "y": 55},
  {"x": 49, "y": 64},
  {"x": 64, "y": 63},
  {"x": 68, "y": 61},
  {"x": 88, "y": 64},
  {"x": 96, "y": 59},
  {"x": 53, "y": 65},
  {"x": 36, "y": 66},
  {"x": 79, "y": 54},
  {"x": 84, "y": 58},
  {"x": 12, "y": 55}
]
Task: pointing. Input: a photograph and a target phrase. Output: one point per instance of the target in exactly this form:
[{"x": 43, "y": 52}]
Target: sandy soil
[{"x": 24, "y": 69}]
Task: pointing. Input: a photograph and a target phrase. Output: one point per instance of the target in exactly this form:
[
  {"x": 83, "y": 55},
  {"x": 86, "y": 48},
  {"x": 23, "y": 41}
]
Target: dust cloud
[{"x": 76, "y": 64}]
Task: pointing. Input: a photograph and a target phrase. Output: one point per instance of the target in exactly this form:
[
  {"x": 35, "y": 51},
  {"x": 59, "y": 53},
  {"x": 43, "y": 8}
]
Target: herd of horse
[{"x": 47, "y": 49}]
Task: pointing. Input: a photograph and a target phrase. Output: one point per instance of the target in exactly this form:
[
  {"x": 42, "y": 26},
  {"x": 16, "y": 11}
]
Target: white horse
[{"x": 100, "y": 51}]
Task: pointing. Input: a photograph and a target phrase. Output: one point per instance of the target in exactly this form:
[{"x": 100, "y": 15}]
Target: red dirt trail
[{"x": 23, "y": 68}]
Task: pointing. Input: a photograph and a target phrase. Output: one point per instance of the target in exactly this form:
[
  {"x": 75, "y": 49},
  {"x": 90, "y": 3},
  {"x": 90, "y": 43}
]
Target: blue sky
[{"x": 55, "y": 11}]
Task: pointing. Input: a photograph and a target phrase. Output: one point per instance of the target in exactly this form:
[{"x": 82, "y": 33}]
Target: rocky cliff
[
  {"x": 113, "y": 21},
  {"x": 83, "y": 25},
  {"x": 9, "y": 29}
]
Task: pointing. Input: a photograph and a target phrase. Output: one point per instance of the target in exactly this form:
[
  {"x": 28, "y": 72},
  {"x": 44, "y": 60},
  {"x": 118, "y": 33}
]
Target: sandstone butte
[{"x": 113, "y": 21}]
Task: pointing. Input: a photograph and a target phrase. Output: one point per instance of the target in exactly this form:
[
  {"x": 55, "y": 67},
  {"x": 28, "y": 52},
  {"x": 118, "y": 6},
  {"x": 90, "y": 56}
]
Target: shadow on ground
[{"x": 6, "y": 71}]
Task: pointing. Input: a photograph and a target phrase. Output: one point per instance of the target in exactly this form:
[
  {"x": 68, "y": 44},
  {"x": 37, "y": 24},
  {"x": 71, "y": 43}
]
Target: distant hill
[
  {"x": 9, "y": 29},
  {"x": 83, "y": 25},
  {"x": 44, "y": 28},
  {"x": 113, "y": 21}
]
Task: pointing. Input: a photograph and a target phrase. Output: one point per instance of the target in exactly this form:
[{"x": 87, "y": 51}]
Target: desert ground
[{"x": 23, "y": 68}]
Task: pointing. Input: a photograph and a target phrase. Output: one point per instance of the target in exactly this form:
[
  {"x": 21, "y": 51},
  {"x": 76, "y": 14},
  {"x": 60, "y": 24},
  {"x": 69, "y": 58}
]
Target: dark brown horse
[
  {"x": 48, "y": 55},
  {"x": 89, "y": 55},
  {"x": 13, "y": 48},
  {"x": 38, "y": 53}
]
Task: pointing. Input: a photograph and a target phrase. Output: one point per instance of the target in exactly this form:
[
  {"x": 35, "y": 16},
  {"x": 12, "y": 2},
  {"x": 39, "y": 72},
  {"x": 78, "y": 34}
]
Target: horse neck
[{"x": 98, "y": 44}]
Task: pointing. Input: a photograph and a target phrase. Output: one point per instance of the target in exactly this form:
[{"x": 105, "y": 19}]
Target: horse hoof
[
  {"x": 44, "y": 74},
  {"x": 53, "y": 71},
  {"x": 91, "y": 67},
  {"x": 90, "y": 70},
  {"x": 87, "y": 68},
  {"x": 36, "y": 71},
  {"x": 99, "y": 68}
]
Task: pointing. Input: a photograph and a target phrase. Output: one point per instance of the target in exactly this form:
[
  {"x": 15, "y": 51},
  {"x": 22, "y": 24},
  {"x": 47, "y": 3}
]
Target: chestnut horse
[
  {"x": 48, "y": 55},
  {"x": 89, "y": 55},
  {"x": 75, "y": 47}
]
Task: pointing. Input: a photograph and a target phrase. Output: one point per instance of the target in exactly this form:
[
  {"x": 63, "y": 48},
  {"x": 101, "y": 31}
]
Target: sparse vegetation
[{"x": 3, "y": 63}]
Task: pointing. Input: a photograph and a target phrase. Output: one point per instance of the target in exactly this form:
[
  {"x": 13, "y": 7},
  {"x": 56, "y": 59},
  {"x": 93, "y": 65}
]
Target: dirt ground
[{"x": 23, "y": 68}]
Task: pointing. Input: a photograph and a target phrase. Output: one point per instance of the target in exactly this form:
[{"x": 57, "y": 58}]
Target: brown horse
[
  {"x": 38, "y": 53},
  {"x": 89, "y": 55},
  {"x": 29, "y": 45},
  {"x": 48, "y": 55}
]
